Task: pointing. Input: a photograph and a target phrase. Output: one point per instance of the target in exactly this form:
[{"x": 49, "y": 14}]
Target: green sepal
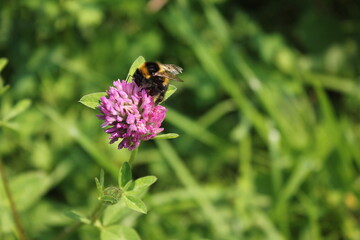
[
  {"x": 99, "y": 188},
  {"x": 140, "y": 60},
  {"x": 166, "y": 136},
  {"x": 100, "y": 184},
  {"x": 102, "y": 178},
  {"x": 109, "y": 200},
  {"x": 111, "y": 195},
  {"x": 135, "y": 203},
  {"x": 92, "y": 100},
  {"x": 77, "y": 216}
]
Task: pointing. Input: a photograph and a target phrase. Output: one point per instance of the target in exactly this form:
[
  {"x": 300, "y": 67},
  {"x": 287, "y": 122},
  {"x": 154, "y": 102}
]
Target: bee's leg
[{"x": 161, "y": 96}]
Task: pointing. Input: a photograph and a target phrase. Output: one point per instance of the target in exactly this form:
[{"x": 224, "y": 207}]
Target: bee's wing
[
  {"x": 168, "y": 75},
  {"x": 172, "y": 68}
]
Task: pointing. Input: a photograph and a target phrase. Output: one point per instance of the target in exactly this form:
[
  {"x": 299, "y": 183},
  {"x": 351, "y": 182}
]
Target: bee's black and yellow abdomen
[
  {"x": 166, "y": 81},
  {"x": 144, "y": 71},
  {"x": 150, "y": 76}
]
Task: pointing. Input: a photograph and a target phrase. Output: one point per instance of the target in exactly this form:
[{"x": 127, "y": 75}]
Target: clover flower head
[{"x": 129, "y": 113}]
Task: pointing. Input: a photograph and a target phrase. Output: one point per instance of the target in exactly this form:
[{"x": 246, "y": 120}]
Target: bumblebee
[{"x": 155, "y": 78}]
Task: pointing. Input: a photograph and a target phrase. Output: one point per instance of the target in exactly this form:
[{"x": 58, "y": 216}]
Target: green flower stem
[
  {"x": 133, "y": 155},
  {"x": 98, "y": 211},
  {"x": 15, "y": 213}
]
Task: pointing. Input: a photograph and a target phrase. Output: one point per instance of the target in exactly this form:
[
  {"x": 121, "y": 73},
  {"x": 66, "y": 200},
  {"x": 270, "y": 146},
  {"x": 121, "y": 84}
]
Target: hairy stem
[{"x": 98, "y": 211}]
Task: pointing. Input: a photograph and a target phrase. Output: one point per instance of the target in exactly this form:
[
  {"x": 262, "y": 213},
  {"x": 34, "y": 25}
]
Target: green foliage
[
  {"x": 268, "y": 115},
  {"x": 140, "y": 60},
  {"x": 100, "y": 184},
  {"x": 3, "y": 62},
  {"x": 78, "y": 217},
  {"x": 171, "y": 90},
  {"x": 118, "y": 232},
  {"x": 167, "y": 136},
  {"x": 27, "y": 189},
  {"x": 17, "y": 109},
  {"x": 92, "y": 100},
  {"x": 128, "y": 190},
  {"x": 125, "y": 174},
  {"x": 135, "y": 203},
  {"x": 142, "y": 184}
]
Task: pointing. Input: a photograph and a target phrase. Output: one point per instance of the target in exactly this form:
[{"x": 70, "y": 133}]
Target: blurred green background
[{"x": 268, "y": 116}]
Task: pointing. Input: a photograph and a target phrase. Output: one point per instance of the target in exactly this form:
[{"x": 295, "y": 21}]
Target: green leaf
[
  {"x": 140, "y": 60},
  {"x": 129, "y": 185},
  {"x": 141, "y": 185},
  {"x": 124, "y": 175},
  {"x": 3, "y": 62},
  {"x": 144, "y": 182},
  {"x": 92, "y": 100},
  {"x": 114, "y": 214},
  {"x": 77, "y": 216},
  {"x": 118, "y": 232},
  {"x": 171, "y": 90},
  {"x": 17, "y": 109},
  {"x": 28, "y": 188},
  {"x": 166, "y": 136},
  {"x": 134, "y": 203}
]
